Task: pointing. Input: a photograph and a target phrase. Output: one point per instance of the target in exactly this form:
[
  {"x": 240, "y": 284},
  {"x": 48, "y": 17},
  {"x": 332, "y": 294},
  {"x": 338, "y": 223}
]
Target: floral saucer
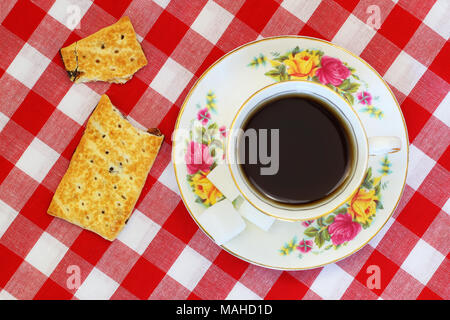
[{"x": 213, "y": 102}]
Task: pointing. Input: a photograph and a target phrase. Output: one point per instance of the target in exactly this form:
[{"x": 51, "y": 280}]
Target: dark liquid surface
[{"x": 314, "y": 150}]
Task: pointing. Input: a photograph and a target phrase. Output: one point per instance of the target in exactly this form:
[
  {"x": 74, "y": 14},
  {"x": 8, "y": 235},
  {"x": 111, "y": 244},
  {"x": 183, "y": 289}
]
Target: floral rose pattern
[
  {"x": 314, "y": 65},
  {"x": 204, "y": 149},
  {"x": 346, "y": 222}
]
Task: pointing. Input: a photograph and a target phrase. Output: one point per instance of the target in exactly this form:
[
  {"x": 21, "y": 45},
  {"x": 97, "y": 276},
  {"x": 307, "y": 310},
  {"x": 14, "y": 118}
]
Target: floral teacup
[{"x": 363, "y": 148}]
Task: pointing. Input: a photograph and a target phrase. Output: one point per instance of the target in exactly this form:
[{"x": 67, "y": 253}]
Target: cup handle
[{"x": 384, "y": 145}]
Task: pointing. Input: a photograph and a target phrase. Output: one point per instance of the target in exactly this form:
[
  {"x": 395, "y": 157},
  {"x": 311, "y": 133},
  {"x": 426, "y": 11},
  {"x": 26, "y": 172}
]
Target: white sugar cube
[
  {"x": 222, "y": 221},
  {"x": 221, "y": 178},
  {"x": 255, "y": 216}
]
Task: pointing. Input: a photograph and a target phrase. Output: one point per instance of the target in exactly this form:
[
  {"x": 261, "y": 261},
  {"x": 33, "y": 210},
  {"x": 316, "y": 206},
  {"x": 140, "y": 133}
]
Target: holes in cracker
[
  {"x": 115, "y": 187},
  {"x": 106, "y": 151},
  {"x": 122, "y": 36},
  {"x": 103, "y": 46},
  {"x": 131, "y": 178},
  {"x": 87, "y": 217},
  {"x": 113, "y": 69},
  {"x": 116, "y": 51},
  {"x": 131, "y": 59},
  {"x": 97, "y": 60},
  {"x": 103, "y": 211},
  {"x": 119, "y": 125},
  {"x": 123, "y": 197},
  {"x": 103, "y": 136},
  {"x": 82, "y": 203},
  {"x": 111, "y": 169},
  {"x": 119, "y": 204}
]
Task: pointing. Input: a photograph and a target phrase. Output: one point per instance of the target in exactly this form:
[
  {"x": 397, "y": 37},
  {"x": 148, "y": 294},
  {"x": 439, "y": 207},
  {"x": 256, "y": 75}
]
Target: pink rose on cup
[
  {"x": 332, "y": 71},
  {"x": 343, "y": 229},
  {"x": 204, "y": 116},
  {"x": 197, "y": 158}
]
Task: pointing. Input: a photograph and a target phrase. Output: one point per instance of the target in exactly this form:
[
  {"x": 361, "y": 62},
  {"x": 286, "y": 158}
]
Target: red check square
[
  {"x": 415, "y": 116},
  {"x": 349, "y": 5},
  {"x": 10, "y": 263},
  {"x": 256, "y": 13},
  {"x": 169, "y": 289},
  {"x": 5, "y": 168},
  {"x": 143, "y": 278},
  {"x": 286, "y": 287},
  {"x": 126, "y": 96},
  {"x": 33, "y": 112},
  {"x": 90, "y": 246},
  {"x": 114, "y": 8},
  {"x": 377, "y": 265},
  {"x": 166, "y": 33},
  {"x": 24, "y": 18},
  {"x": 180, "y": 223},
  {"x": 52, "y": 291},
  {"x": 418, "y": 214},
  {"x": 427, "y": 294},
  {"x": 230, "y": 264},
  {"x": 399, "y": 26},
  {"x": 444, "y": 160},
  {"x": 439, "y": 282},
  {"x": 36, "y": 207},
  {"x": 441, "y": 64}
]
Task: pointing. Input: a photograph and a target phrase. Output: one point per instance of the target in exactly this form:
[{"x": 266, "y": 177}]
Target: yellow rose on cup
[
  {"x": 363, "y": 205},
  {"x": 204, "y": 189},
  {"x": 302, "y": 65}
]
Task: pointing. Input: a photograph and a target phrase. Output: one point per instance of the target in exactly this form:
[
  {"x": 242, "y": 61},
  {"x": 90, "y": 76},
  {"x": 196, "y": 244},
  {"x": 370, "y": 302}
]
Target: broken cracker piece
[
  {"x": 106, "y": 173},
  {"x": 112, "y": 54}
]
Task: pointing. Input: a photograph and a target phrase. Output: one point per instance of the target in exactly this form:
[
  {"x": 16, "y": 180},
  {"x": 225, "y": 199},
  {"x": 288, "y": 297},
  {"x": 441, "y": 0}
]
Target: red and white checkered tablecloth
[{"x": 167, "y": 257}]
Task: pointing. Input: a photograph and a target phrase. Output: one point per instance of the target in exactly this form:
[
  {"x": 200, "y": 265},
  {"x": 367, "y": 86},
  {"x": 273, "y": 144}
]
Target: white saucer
[{"x": 216, "y": 97}]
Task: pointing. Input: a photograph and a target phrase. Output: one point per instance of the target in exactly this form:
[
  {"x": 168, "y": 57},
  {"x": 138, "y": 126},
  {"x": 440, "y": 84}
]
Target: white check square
[
  {"x": 302, "y": 9},
  {"x": 79, "y": 102},
  {"x": 404, "y": 72},
  {"x": 171, "y": 80},
  {"x": 212, "y": 21},
  {"x": 5, "y": 295},
  {"x": 437, "y": 18},
  {"x": 167, "y": 178},
  {"x": 189, "y": 268},
  {"x": 46, "y": 254},
  {"x": 162, "y": 3},
  {"x": 28, "y": 65},
  {"x": 138, "y": 232},
  {"x": 37, "y": 160},
  {"x": 7, "y": 216},
  {"x": 97, "y": 286},
  {"x": 241, "y": 292},
  {"x": 442, "y": 112},
  {"x": 332, "y": 282},
  {"x": 3, "y": 120},
  {"x": 69, "y": 12},
  {"x": 419, "y": 166},
  {"x": 354, "y": 35},
  {"x": 422, "y": 261}
]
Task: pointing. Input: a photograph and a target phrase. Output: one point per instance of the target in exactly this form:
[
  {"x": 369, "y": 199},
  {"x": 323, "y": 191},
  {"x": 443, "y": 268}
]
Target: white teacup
[{"x": 363, "y": 148}]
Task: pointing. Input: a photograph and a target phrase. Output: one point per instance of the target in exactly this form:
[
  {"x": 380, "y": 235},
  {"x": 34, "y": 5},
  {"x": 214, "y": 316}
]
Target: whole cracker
[{"x": 106, "y": 173}]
